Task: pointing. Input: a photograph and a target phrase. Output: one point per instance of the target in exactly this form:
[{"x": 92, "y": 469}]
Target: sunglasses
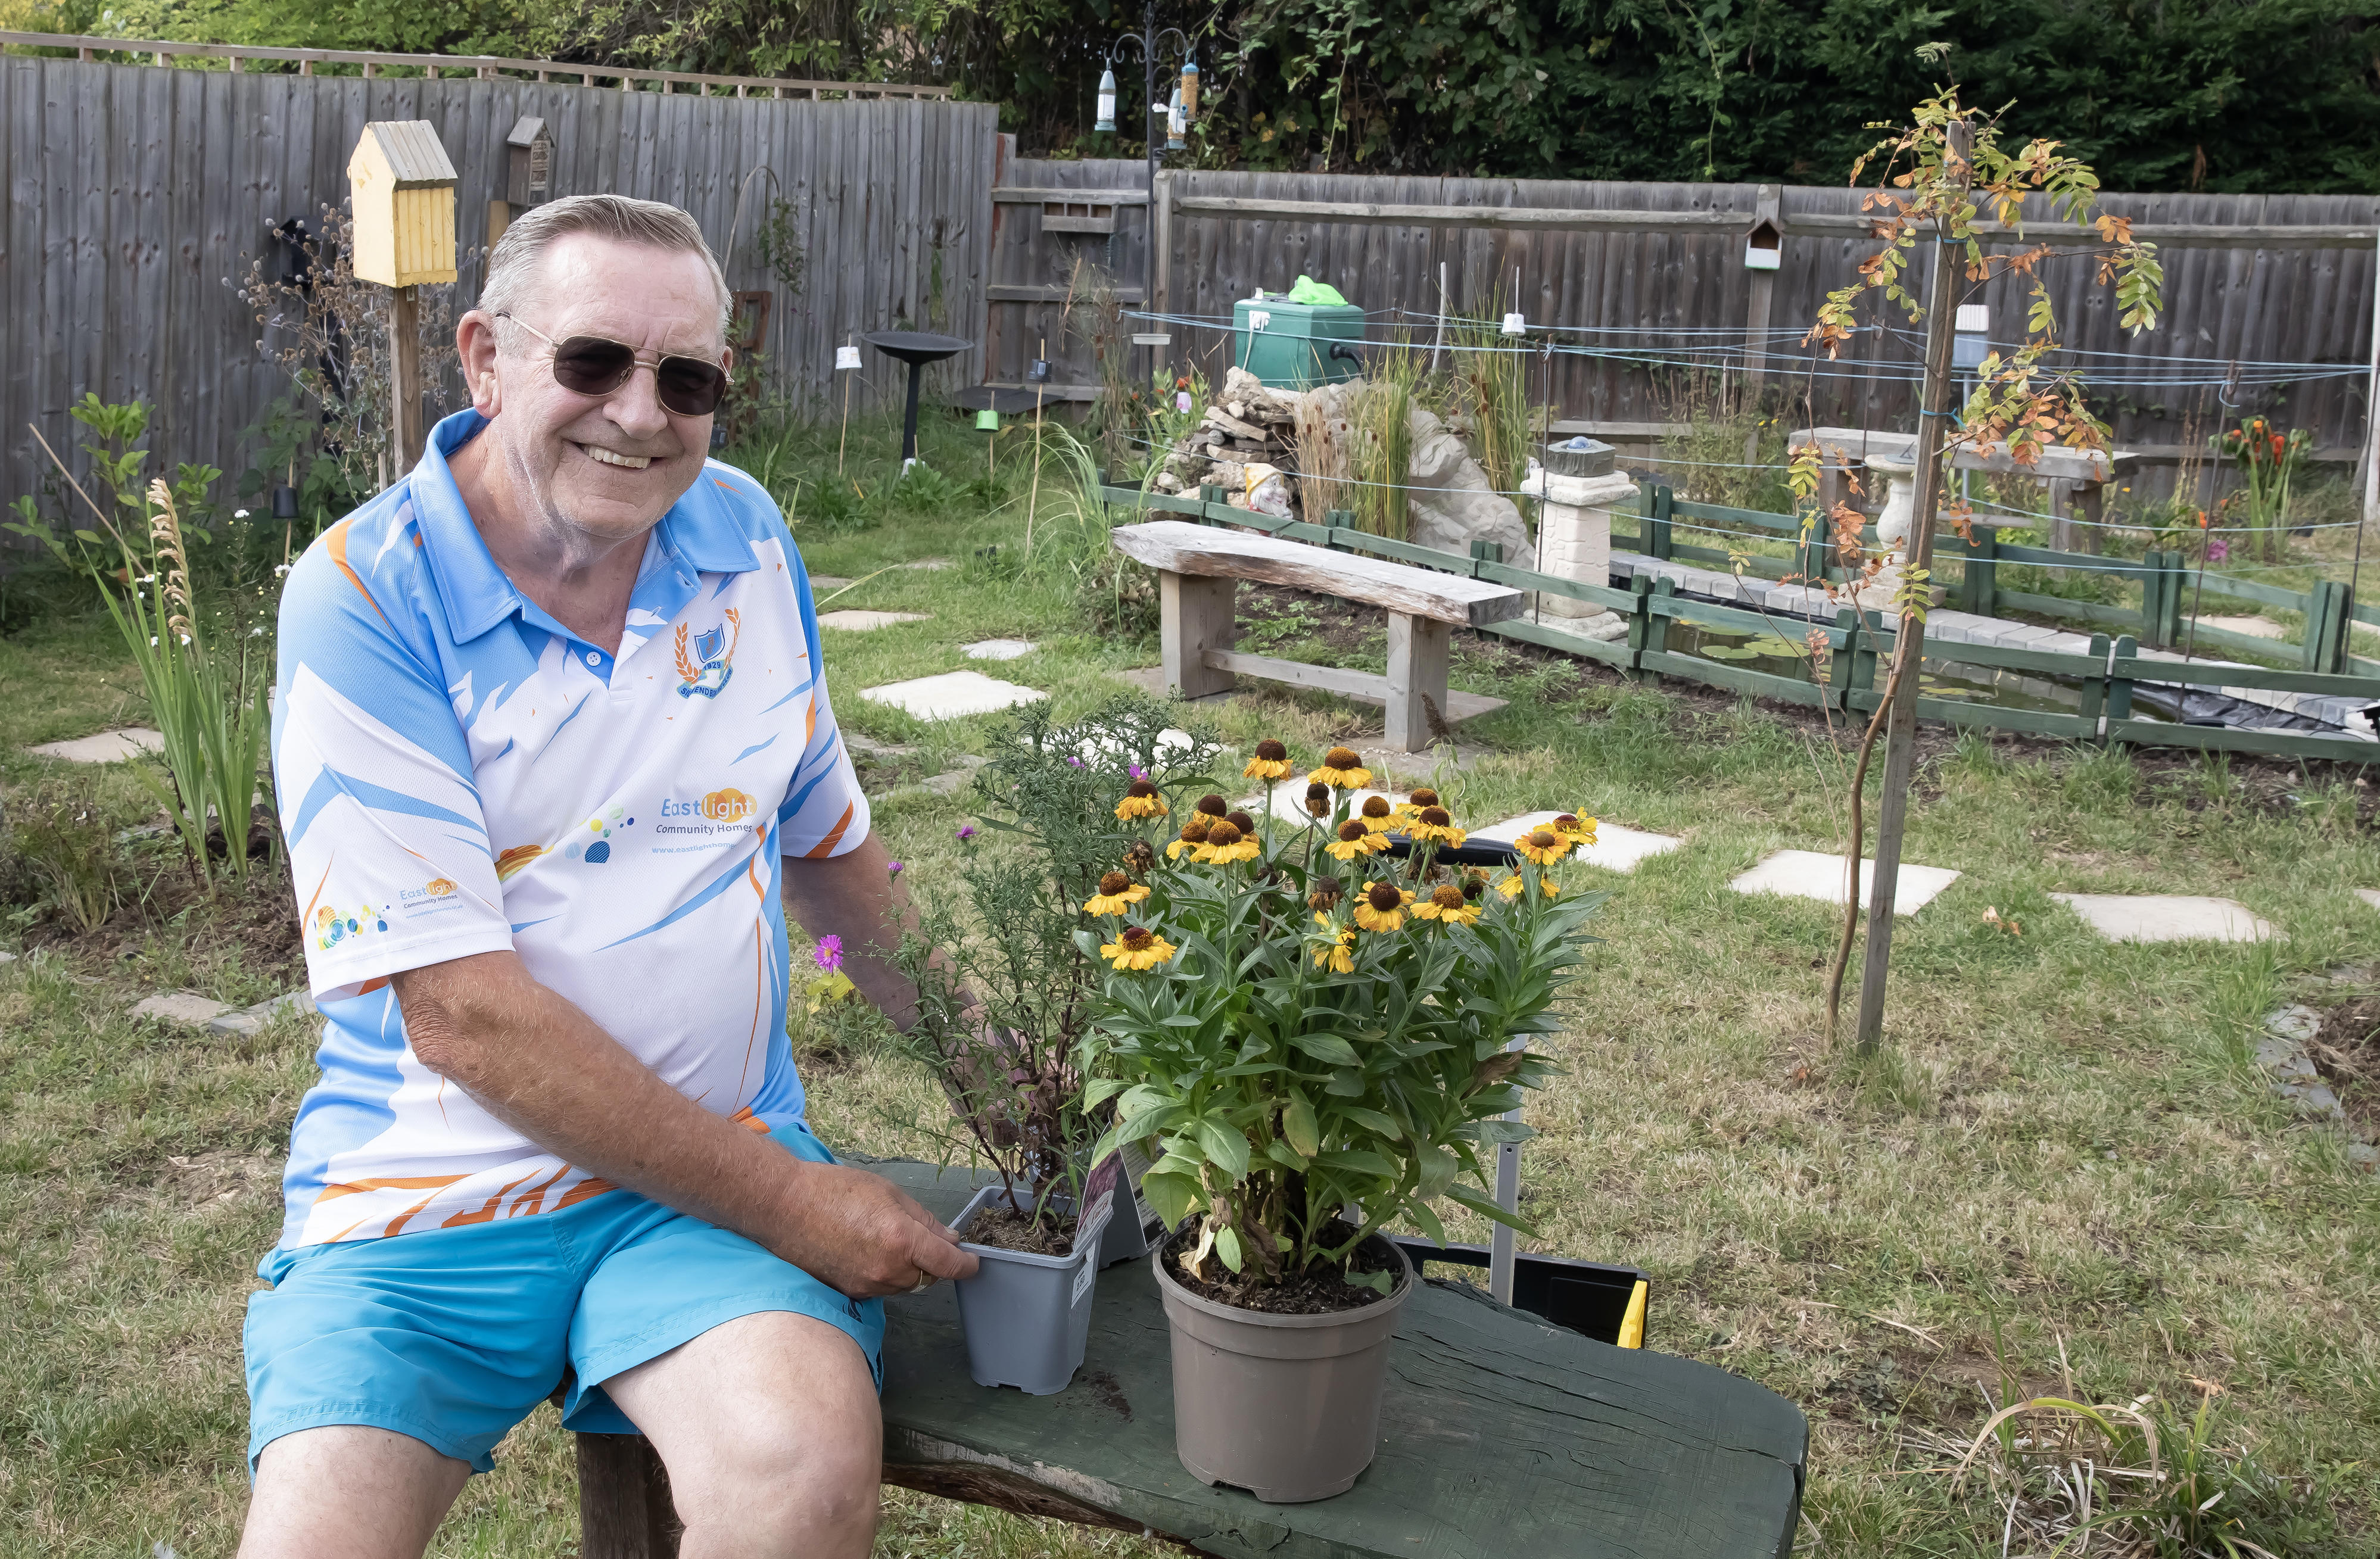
[{"x": 591, "y": 365}]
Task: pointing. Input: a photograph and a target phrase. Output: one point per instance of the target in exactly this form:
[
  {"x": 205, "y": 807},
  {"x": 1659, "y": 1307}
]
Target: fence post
[
  {"x": 1485, "y": 552},
  {"x": 1859, "y": 673},
  {"x": 2177, "y": 579},
  {"x": 2328, "y": 616},
  {"x": 1336, "y": 518},
  {"x": 1656, "y": 529},
  {"x": 2153, "y": 582},
  {"x": 2094, "y": 688},
  {"x": 1639, "y": 622},
  {"x": 1979, "y": 591},
  {"x": 1656, "y": 628},
  {"x": 2120, "y": 689}
]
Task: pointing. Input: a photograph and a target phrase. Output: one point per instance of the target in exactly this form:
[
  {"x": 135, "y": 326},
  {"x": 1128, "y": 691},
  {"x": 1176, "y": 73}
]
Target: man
[{"x": 553, "y": 738}]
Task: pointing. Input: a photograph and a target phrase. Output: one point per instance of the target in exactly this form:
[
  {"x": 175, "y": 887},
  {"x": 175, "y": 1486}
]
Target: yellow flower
[
  {"x": 1577, "y": 828},
  {"x": 1336, "y": 955},
  {"x": 1193, "y": 836},
  {"x": 1376, "y": 815},
  {"x": 1136, "y": 947},
  {"x": 1116, "y": 892},
  {"x": 1271, "y": 763},
  {"x": 1447, "y": 903},
  {"x": 1140, "y": 800},
  {"x": 1436, "y": 822},
  {"x": 1355, "y": 840},
  {"x": 1511, "y": 886},
  {"x": 1343, "y": 769},
  {"x": 1382, "y": 907},
  {"x": 1544, "y": 846},
  {"x": 1226, "y": 844},
  {"x": 1318, "y": 801},
  {"x": 1409, "y": 808}
]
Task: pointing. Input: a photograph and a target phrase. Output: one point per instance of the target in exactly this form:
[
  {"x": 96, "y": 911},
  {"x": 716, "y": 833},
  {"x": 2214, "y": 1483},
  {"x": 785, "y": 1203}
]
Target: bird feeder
[
  {"x": 1764, "y": 245},
  {"x": 402, "y": 189},
  {"x": 1106, "y": 124}
]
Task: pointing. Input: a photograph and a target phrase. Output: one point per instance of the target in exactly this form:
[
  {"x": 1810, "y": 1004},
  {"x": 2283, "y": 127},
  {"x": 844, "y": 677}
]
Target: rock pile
[{"x": 1251, "y": 433}]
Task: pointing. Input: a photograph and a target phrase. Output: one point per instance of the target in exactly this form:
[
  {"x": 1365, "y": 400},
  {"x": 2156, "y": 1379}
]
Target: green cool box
[{"x": 1288, "y": 344}]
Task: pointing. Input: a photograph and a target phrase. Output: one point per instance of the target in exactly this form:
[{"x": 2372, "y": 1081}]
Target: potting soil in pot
[
  {"x": 1313, "y": 1294},
  {"x": 1026, "y": 1313},
  {"x": 1007, "y": 1229}
]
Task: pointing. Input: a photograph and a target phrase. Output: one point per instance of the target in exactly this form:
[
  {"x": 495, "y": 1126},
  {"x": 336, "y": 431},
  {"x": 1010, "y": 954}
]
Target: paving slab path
[
  {"x": 998, "y": 649},
  {"x": 952, "y": 695},
  {"x": 868, "y": 621},
  {"x": 2168, "y": 917},
  {"x": 107, "y": 747},
  {"x": 1808, "y": 874},
  {"x": 1615, "y": 849}
]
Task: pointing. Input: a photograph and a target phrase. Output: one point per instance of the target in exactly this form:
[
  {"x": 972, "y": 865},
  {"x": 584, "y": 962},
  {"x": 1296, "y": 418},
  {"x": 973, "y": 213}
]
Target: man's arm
[
  {"x": 538, "y": 1063},
  {"x": 857, "y": 897}
]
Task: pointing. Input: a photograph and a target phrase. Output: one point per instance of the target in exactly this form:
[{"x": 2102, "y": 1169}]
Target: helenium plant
[{"x": 1299, "y": 1022}]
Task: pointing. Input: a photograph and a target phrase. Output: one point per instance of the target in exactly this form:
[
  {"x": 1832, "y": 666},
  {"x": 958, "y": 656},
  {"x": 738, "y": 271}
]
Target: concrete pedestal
[{"x": 1575, "y": 534}]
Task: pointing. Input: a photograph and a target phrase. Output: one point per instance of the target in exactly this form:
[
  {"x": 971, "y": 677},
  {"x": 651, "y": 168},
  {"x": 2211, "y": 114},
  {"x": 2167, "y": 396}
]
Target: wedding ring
[{"x": 923, "y": 1284}]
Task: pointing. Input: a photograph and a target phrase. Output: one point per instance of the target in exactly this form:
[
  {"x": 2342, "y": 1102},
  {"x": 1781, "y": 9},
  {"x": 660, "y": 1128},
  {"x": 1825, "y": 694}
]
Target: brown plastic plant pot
[{"x": 1286, "y": 1407}]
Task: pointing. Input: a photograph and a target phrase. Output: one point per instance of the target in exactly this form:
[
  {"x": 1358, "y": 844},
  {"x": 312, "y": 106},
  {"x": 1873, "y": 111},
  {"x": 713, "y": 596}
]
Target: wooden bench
[
  {"x": 1501, "y": 1436},
  {"x": 1198, "y": 570}
]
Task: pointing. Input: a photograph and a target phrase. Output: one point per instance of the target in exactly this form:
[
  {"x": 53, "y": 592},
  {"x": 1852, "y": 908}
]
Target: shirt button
[{"x": 594, "y": 657}]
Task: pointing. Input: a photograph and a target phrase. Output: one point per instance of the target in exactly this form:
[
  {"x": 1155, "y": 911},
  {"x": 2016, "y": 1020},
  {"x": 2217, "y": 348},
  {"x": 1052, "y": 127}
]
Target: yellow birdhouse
[{"x": 404, "y": 191}]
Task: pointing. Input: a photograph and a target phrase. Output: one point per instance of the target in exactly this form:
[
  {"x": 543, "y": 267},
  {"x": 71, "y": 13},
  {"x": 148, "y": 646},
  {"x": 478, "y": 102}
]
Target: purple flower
[
  {"x": 829, "y": 953},
  {"x": 1074, "y": 763},
  {"x": 967, "y": 832},
  {"x": 892, "y": 867},
  {"x": 2218, "y": 549},
  {"x": 1137, "y": 772}
]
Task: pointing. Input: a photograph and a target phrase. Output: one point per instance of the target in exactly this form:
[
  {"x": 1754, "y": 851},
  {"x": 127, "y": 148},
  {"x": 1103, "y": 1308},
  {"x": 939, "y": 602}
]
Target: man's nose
[{"x": 635, "y": 406}]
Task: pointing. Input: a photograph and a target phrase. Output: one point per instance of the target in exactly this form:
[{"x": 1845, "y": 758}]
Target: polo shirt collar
[{"x": 700, "y": 529}]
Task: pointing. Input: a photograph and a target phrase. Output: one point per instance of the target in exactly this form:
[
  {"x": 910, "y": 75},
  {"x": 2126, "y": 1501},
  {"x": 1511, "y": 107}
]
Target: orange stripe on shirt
[
  {"x": 337, "y": 541},
  {"x": 394, "y": 1183},
  {"x": 486, "y": 1214},
  {"x": 835, "y": 836},
  {"x": 750, "y": 1122},
  {"x": 582, "y": 1190},
  {"x": 532, "y": 1200}
]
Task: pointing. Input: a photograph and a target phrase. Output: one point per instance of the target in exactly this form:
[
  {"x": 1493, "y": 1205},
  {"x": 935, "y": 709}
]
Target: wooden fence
[
  {"x": 1646, "y": 270},
  {"x": 139, "y": 195},
  {"x": 2110, "y": 676}
]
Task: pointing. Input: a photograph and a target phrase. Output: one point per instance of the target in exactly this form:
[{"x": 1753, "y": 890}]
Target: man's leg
[
  {"x": 769, "y": 1429},
  {"x": 345, "y": 1491}
]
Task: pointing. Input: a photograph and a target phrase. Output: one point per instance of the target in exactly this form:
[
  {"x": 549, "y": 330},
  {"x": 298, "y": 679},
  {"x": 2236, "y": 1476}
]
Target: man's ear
[{"x": 475, "y": 343}]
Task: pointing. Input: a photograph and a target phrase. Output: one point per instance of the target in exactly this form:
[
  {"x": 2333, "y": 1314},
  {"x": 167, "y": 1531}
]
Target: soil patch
[
  {"x": 1313, "y": 1293},
  {"x": 164, "y": 897},
  {"x": 2346, "y": 1050},
  {"x": 1003, "y": 1228}
]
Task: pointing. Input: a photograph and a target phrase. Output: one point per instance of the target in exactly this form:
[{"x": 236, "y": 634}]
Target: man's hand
[
  {"x": 861, "y": 1234},
  {"x": 536, "y": 1062}
]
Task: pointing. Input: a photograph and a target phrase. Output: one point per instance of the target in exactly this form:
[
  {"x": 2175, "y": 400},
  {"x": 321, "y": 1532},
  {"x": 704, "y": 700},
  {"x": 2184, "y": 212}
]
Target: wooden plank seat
[
  {"x": 1501, "y": 1435},
  {"x": 1198, "y": 571}
]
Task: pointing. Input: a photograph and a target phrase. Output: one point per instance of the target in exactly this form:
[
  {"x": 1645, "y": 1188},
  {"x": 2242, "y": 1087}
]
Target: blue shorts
[{"x": 452, "y": 1336}]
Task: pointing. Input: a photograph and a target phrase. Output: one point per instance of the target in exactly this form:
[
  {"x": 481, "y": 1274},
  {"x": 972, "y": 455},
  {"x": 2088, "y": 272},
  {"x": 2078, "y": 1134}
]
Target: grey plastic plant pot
[
  {"x": 1286, "y": 1407},
  {"x": 1027, "y": 1317}
]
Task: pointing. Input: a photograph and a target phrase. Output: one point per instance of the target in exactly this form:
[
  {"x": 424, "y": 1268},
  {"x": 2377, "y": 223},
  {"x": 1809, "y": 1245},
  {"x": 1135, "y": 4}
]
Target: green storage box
[{"x": 1288, "y": 344}]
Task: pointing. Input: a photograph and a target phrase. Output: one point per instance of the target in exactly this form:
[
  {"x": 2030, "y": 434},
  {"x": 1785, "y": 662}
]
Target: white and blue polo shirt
[{"x": 459, "y": 773}]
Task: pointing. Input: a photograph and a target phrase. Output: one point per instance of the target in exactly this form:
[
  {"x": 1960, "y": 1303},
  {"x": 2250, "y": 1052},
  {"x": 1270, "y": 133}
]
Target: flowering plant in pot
[
  {"x": 1317, "y": 1028},
  {"x": 1002, "y": 1008}
]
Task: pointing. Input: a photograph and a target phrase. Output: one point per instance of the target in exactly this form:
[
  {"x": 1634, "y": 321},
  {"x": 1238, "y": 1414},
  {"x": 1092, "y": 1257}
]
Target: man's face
[{"x": 607, "y": 468}]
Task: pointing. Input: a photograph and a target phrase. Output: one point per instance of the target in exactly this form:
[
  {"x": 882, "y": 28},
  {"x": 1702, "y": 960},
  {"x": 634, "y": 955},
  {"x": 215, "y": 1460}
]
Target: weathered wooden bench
[
  {"x": 1501, "y": 1436},
  {"x": 1198, "y": 571}
]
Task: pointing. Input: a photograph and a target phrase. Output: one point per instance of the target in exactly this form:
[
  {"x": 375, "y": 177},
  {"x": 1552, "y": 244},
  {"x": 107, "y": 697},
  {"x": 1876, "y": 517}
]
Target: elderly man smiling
[{"x": 555, "y": 757}]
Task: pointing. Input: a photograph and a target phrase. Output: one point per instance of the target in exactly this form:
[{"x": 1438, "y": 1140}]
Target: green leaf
[
  {"x": 1170, "y": 1196},
  {"x": 1100, "y": 1091},
  {"x": 1372, "y": 1121},
  {"x": 1362, "y": 1161},
  {"x": 1379, "y": 1282},
  {"x": 1484, "y": 1208},
  {"x": 1297, "y": 1123},
  {"x": 1281, "y": 1153},
  {"x": 1346, "y": 1084},
  {"x": 1227, "y": 1245},
  {"x": 1226, "y": 1146},
  {"x": 1328, "y": 1047},
  {"x": 1429, "y": 1222}
]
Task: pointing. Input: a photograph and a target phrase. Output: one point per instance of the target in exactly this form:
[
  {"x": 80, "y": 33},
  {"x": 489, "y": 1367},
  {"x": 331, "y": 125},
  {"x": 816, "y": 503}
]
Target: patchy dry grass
[{"x": 2064, "y": 1165}]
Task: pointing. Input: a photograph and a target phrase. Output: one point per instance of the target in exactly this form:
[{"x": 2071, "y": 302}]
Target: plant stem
[{"x": 1852, "y": 856}]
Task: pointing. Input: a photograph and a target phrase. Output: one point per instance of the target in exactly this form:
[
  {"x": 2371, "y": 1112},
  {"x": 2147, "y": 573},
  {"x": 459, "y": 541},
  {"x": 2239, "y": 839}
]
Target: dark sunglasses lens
[
  {"x": 691, "y": 387},
  {"x": 588, "y": 365}
]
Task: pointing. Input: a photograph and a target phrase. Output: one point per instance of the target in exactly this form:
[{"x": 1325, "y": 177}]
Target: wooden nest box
[
  {"x": 404, "y": 194},
  {"x": 528, "y": 162}
]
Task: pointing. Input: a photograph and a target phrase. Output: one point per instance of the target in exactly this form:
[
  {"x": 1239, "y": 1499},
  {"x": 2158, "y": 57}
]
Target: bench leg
[
  {"x": 625, "y": 1511},
  {"x": 1197, "y": 617},
  {"x": 1418, "y": 661}
]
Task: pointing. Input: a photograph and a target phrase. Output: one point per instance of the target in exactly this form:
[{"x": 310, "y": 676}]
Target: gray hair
[{"x": 515, "y": 265}]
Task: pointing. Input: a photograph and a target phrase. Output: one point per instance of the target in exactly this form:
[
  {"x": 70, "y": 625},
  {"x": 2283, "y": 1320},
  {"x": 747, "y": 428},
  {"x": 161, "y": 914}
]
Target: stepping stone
[
  {"x": 952, "y": 695},
  {"x": 250, "y": 1020},
  {"x": 186, "y": 1008},
  {"x": 2257, "y": 627},
  {"x": 7, "y": 957},
  {"x": 1615, "y": 848},
  {"x": 2166, "y": 917},
  {"x": 829, "y": 582},
  {"x": 859, "y": 743},
  {"x": 2370, "y": 896},
  {"x": 1806, "y": 874},
  {"x": 108, "y": 746},
  {"x": 930, "y": 565},
  {"x": 997, "y": 649},
  {"x": 865, "y": 622},
  {"x": 1170, "y": 740}
]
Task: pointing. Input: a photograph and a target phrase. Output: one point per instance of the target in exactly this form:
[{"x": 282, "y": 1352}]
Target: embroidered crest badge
[{"x": 712, "y": 660}]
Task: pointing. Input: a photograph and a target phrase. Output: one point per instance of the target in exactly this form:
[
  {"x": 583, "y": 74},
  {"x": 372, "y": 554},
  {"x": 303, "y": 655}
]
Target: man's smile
[{"x": 612, "y": 457}]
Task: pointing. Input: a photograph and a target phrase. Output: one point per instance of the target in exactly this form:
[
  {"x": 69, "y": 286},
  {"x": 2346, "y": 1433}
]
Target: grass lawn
[{"x": 2064, "y": 1166}]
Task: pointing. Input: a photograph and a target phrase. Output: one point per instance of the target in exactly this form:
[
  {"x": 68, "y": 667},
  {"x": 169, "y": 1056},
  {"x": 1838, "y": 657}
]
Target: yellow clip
[{"x": 1631, "y": 1325}]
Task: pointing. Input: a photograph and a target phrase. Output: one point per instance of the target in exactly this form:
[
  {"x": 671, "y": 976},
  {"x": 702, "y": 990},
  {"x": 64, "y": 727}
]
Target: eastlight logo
[{"x": 727, "y": 807}]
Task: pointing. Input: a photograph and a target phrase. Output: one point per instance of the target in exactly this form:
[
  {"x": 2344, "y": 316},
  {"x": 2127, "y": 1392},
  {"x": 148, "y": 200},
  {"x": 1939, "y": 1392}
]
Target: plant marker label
[
  {"x": 1516, "y": 324},
  {"x": 846, "y": 357},
  {"x": 1135, "y": 1165},
  {"x": 1088, "y": 1230}
]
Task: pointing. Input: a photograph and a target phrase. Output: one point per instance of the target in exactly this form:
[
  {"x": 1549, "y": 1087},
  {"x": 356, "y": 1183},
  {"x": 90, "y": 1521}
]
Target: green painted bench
[{"x": 1501, "y": 1436}]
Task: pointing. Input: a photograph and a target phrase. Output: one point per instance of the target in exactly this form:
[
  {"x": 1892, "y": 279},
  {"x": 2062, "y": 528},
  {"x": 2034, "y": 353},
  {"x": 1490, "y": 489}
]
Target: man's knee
[{"x": 796, "y": 1475}]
